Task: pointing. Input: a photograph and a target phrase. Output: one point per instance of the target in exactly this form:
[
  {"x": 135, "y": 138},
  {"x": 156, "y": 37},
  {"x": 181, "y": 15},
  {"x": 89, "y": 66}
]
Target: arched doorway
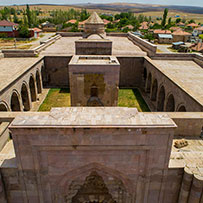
[
  {"x": 3, "y": 107},
  {"x": 161, "y": 99},
  {"x": 15, "y": 103},
  {"x": 93, "y": 190},
  {"x": 154, "y": 90},
  {"x": 25, "y": 98},
  {"x": 38, "y": 81},
  {"x": 149, "y": 81},
  {"x": 181, "y": 109},
  {"x": 32, "y": 89},
  {"x": 170, "y": 104}
]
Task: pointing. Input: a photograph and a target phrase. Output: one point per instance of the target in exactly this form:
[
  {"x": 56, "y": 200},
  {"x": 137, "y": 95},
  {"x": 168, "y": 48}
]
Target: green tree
[
  {"x": 178, "y": 20},
  {"x": 15, "y": 18},
  {"x": 24, "y": 32},
  {"x": 29, "y": 17},
  {"x": 163, "y": 23}
]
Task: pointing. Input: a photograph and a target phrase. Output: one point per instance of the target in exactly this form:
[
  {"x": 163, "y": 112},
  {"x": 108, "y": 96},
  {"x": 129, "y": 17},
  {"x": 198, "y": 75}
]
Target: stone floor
[
  {"x": 66, "y": 45},
  {"x": 186, "y": 74}
]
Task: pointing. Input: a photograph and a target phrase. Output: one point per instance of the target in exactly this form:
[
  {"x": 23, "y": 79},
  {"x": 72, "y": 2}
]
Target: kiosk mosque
[{"x": 94, "y": 151}]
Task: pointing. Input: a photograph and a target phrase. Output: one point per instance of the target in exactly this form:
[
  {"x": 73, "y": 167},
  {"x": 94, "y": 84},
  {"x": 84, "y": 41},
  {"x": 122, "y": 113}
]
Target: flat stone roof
[
  {"x": 186, "y": 74},
  {"x": 12, "y": 68},
  {"x": 93, "y": 116},
  {"x": 66, "y": 46},
  {"x": 94, "y": 60},
  {"x": 191, "y": 155}
]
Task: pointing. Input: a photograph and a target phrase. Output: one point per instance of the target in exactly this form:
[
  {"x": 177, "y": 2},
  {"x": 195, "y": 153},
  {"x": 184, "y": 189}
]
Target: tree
[
  {"x": 178, "y": 20},
  {"x": 24, "y": 32},
  {"x": 28, "y": 13},
  {"x": 163, "y": 23},
  {"x": 191, "y": 21},
  {"x": 169, "y": 21},
  {"x": 15, "y": 18}
]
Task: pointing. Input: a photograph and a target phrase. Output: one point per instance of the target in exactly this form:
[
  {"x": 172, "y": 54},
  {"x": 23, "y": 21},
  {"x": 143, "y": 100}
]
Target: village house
[
  {"x": 181, "y": 36},
  {"x": 106, "y": 21},
  {"x": 159, "y": 31},
  {"x": 144, "y": 26},
  {"x": 197, "y": 31},
  {"x": 72, "y": 21},
  {"x": 35, "y": 32},
  {"x": 181, "y": 24},
  {"x": 9, "y": 29},
  {"x": 48, "y": 27},
  {"x": 165, "y": 38},
  {"x": 192, "y": 25},
  {"x": 198, "y": 47}
]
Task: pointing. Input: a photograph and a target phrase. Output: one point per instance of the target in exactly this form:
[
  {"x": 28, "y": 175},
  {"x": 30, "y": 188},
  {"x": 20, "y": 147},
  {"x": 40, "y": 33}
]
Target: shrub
[
  {"x": 24, "y": 32},
  {"x": 3, "y": 35}
]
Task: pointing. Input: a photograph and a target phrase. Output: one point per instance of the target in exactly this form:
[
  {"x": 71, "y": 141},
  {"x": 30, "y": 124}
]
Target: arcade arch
[
  {"x": 38, "y": 82},
  {"x": 25, "y": 97},
  {"x": 15, "y": 103},
  {"x": 154, "y": 90},
  {"x": 161, "y": 99},
  {"x": 32, "y": 89},
  {"x": 170, "y": 104}
]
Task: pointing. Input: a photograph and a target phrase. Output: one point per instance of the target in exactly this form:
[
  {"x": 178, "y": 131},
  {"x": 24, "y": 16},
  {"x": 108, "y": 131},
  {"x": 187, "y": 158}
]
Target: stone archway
[
  {"x": 149, "y": 81},
  {"x": 15, "y": 103},
  {"x": 93, "y": 190},
  {"x": 182, "y": 109},
  {"x": 25, "y": 98},
  {"x": 161, "y": 99},
  {"x": 32, "y": 89},
  {"x": 38, "y": 82},
  {"x": 154, "y": 90},
  {"x": 3, "y": 107},
  {"x": 170, "y": 104}
]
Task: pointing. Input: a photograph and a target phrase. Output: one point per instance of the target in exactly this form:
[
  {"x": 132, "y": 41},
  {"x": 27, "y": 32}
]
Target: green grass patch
[
  {"x": 56, "y": 97},
  {"x": 132, "y": 98}
]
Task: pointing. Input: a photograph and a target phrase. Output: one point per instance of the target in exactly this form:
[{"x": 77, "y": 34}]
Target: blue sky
[{"x": 163, "y": 2}]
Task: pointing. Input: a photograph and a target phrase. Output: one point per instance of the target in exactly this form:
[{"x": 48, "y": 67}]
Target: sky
[{"x": 162, "y": 2}]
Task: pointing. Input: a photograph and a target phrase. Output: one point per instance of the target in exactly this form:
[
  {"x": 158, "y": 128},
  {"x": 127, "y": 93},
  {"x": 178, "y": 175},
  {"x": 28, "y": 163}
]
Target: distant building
[
  {"x": 8, "y": 28},
  {"x": 198, "y": 47},
  {"x": 181, "y": 36},
  {"x": 180, "y": 24},
  {"x": 81, "y": 25},
  {"x": 192, "y": 25},
  {"x": 175, "y": 28},
  {"x": 158, "y": 31},
  {"x": 144, "y": 26},
  {"x": 48, "y": 27},
  {"x": 176, "y": 45},
  {"x": 73, "y": 21},
  {"x": 106, "y": 21},
  {"x": 197, "y": 31},
  {"x": 130, "y": 27},
  {"x": 165, "y": 38},
  {"x": 35, "y": 32}
]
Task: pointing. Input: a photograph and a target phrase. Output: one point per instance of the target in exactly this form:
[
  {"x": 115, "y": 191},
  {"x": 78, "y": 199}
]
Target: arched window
[
  {"x": 182, "y": 108},
  {"x": 3, "y": 107}
]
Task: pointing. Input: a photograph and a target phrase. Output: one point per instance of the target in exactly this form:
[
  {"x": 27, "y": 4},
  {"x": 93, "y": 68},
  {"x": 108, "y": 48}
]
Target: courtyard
[{"x": 57, "y": 97}]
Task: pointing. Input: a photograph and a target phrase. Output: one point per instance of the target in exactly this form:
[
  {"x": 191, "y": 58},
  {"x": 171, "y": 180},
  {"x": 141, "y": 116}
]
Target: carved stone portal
[{"x": 93, "y": 190}]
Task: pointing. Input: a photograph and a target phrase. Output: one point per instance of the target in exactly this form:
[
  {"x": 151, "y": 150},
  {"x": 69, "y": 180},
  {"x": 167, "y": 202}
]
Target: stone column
[
  {"x": 186, "y": 186},
  {"x": 196, "y": 189}
]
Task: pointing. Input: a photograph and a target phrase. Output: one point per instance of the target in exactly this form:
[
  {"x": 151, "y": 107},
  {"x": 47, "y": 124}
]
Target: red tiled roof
[
  {"x": 193, "y": 25},
  {"x": 175, "y": 28},
  {"x": 106, "y": 21},
  {"x": 144, "y": 26},
  {"x": 37, "y": 29},
  {"x": 7, "y": 23},
  {"x": 198, "y": 47},
  {"x": 73, "y": 21},
  {"x": 129, "y": 27},
  {"x": 180, "y": 32},
  {"x": 83, "y": 22},
  {"x": 199, "y": 28},
  {"x": 162, "y": 32},
  {"x": 180, "y": 23}
]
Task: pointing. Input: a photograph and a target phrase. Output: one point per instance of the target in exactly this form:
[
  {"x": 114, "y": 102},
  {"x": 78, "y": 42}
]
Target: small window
[{"x": 94, "y": 91}]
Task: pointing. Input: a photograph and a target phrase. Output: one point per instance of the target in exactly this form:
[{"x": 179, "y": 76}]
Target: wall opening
[
  {"x": 3, "y": 107},
  {"x": 182, "y": 108},
  {"x": 161, "y": 99},
  {"x": 154, "y": 90},
  {"x": 38, "y": 81},
  {"x": 32, "y": 89},
  {"x": 15, "y": 103},
  {"x": 25, "y": 98},
  {"x": 149, "y": 81},
  {"x": 170, "y": 104}
]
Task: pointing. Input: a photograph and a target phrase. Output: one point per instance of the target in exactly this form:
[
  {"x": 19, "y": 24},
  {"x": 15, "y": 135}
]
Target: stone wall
[{"x": 56, "y": 71}]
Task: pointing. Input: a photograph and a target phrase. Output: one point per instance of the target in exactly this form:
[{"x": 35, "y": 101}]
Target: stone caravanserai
[{"x": 95, "y": 151}]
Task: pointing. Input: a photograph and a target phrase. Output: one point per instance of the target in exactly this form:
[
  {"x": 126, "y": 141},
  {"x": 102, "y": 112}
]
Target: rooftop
[
  {"x": 94, "y": 19},
  {"x": 7, "y": 23},
  {"x": 12, "y": 68},
  {"x": 168, "y": 36},
  {"x": 186, "y": 74},
  {"x": 121, "y": 46},
  {"x": 181, "y": 32},
  {"x": 107, "y": 117}
]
